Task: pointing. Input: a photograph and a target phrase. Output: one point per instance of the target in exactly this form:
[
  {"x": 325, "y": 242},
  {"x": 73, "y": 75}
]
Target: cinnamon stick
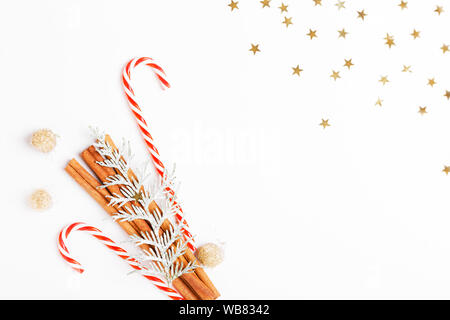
[
  {"x": 91, "y": 156},
  {"x": 90, "y": 184},
  {"x": 189, "y": 255}
]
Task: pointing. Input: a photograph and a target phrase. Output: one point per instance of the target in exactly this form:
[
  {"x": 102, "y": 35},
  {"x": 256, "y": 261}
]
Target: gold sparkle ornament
[
  {"x": 431, "y": 82},
  {"x": 447, "y": 94},
  {"x": 415, "y": 34},
  {"x": 406, "y": 68},
  {"x": 255, "y": 48},
  {"x": 312, "y": 34},
  {"x": 403, "y": 5},
  {"x": 348, "y": 63},
  {"x": 389, "y": 40},
  {"x": 317, "y": 2},
  {"x": 324, "y": 123},
  {"x": 335, "y": 75},
  {"x": 361, "y": 14},
  {"x": 446, "y": 170},
  {"x": 287, "y": 21},
  {"x": 283, "y": 8},
  {"x": 383, "y": 80},
  {"x": 379, "y": 102},
  {"x": 233, "y": 5},
  {"x": 439, "y": 10},
  {"x": 444, "y": 48},
  {"x": 342, "y": 33},
  {"x": 265, "y": 3},
  {"x": 340, "y": 5},
  {"x": 422, "y": 110},
  {"x": 296, "y": 70}
]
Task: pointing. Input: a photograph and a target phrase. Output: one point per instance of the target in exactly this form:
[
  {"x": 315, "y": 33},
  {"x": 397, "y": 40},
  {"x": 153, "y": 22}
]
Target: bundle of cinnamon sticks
[{"x": 192, "y": 286}]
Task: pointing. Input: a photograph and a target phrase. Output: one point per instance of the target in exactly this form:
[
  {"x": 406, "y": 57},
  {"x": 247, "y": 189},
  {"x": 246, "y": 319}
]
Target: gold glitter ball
[
  {"x": 210, "y": 255},
  {"x": 44, "y": 140},
  {"x": 40, "y": 200}
]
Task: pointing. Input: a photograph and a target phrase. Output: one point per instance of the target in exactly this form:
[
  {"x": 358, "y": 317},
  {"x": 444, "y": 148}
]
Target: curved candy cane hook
[
  {"x": 119, "y": 251},
  {"x": 143, "y": 127}
]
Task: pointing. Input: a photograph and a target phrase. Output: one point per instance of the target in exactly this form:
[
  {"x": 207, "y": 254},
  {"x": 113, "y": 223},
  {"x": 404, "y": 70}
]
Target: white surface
[{"x": 359, "y": 210}]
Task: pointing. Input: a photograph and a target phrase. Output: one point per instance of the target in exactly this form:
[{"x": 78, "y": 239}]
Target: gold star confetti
[
  {"x": 422, "y": 110},
  {"x": 335, "y": 75},
  {"x": 406, "y": 68},
  {"x": 379, "y": 102},
  {"x": 446, "y": 170},
  {"x": 265, "y": 3},
  {"x": 255, "y": 48},
  {"x": 403, "y": 5},
  {"x": 444, "y": 48},
  {"x": 297, "y": 70},
  {"x": 287, "y": 21},
  {"x": 317, "y": 2},
  {"x": 389, "y": 40},
  {"x": 233, "y": 5},
  {"x": 431, "y": 82},
  {"x": 340, "y": 5},
  {"x": 384, "y": 80},
  {"x": 439, "y": 10},
  {"x": 447, "y": 94},
  {"x": 361, "y": 14},
  {"x": 348, "y": 63},
  {"x": 342, "y": 33},
  {"x": 137, "y": 196},
  {"x": 283, "y": 7},
  {"x": 312, "y": 34},
  {"x": 415, "y": 34},
  {"x": 324, "y": 123}
]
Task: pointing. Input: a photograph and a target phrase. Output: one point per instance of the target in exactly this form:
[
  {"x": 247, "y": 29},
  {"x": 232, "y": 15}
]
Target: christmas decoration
[
  {"x": 210, "y": 255},
  {"x": 40, "y": 200},
  {"x": 120, "y": 252},
  {"x": 43, "y": 140}
]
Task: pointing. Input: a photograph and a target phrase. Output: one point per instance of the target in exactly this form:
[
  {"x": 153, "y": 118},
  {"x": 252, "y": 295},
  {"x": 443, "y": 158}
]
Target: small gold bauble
[
  {"x": 44, "y": 140},
  {"x": 210, "y": 255},
  {"x": 40, "y": 200}
]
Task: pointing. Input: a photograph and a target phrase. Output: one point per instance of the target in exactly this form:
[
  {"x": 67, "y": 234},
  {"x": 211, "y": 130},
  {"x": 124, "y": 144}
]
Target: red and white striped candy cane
[
  {"x": 122, "y": 253},
  {"x": 143, "y": 127}
]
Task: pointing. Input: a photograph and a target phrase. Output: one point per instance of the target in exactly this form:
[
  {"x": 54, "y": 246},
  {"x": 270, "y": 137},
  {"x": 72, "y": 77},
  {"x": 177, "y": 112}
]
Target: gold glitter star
[
  {"x": 340, "y": 5},
  {"x": 406, "y": 68},
  {"x": 287, "y": 21},
  {"x": 431, "y": 82},
  {"x": 283, "y": 7},
  {"x": 379, "y": 102},
  {"x": 317, "y": 2},
  {"x": 265, "y": 3},
  {"x": 324, "y": 123},
  {"x": 335, "y": 75},
  {"x": 389, "y": 40},
  {"x": 348, "y": 63},
  {"x": 439, "y": 10},
  {"x": 403, "y": 5},
  {"x": 422, "y": 110},
  {"x": 137, "y": 196},
  {"x": 312, "y": 34},
  {"x": 415, "y": 34},
  {"x": 384, "y": 80},
  {"x": 444, "y": 48},
  {"x": 342, "y": 33},
  {"x": 447, "y": 94},
  {"x": 361, "y": 14},
  {"x": 297, "y": 70},
  {"x": 255, "y": 48},
  {"x": 233, "y": 5},
  {"x": 446, "y": 170}
]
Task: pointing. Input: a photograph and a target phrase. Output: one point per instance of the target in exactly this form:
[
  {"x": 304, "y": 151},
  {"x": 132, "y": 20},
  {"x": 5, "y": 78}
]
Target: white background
[{"x": 358, "y": 210}]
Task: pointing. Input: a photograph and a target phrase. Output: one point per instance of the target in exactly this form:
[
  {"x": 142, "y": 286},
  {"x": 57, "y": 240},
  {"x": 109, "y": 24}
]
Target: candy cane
[
  {"x": 143, "y": 127},
  {"x": 122, "y": 253}
]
